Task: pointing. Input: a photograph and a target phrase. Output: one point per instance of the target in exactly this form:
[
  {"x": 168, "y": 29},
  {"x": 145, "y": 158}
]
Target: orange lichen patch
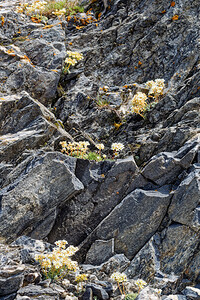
[
  {"x": 99, "y": 16},
  {"x": 198, "y": 88},
  {"x": 175, "y": 18},
  {"x": 11, "y": 52},
  {"x": 70, "y": 43},
  {"x": 139, "y": 63},
  {"x": 2, "y": 20},
  {"x": 35, "y": 20},
  {"x": 54, "y": 71},
  {"x": 68, "y": 18},
  {"x": 26, "y": 59},
  {"x": 135, "y": 67},
  {"x": 164, "y": 11},
  {"x": 2, "y": 98},
  {"x": 117, "y": 125},
  {"x": 48, "y": 26},
  {"x": 125, "y": 86},
  {"x": 96, "y": 25},
  {"x": 102, "y": 175},
  {"x": 79, "y": 27},
  {"x": 173, "y": 3}
]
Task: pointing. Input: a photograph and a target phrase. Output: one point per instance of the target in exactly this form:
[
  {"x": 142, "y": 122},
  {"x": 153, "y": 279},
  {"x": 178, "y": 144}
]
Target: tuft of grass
[
  {"x": 72, "y": 7},
  {"x": 93, "y": 156}
]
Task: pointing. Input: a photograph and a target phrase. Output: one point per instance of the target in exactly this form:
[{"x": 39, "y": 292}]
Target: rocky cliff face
[{"x": 146, "y": 204}]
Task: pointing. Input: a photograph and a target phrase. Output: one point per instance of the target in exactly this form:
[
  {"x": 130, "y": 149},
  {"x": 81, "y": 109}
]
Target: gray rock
[
  {"x": 106, "y": 184},
  {"x": 10, "y": 284},
  {"x": 34, "y": 291},
  {"x": 148, "y": 294},
  {"x": 166, "y": 256},
  {"x": 192, "y": 292},
  {"x": 165, "y": 167},
  {"x": 87, "y": 295},
  {"x": 29, "y": 204},
  {"x": 184, "y": 207},
  {"x": 10, "y": 297},
  {"x": 117, "y": 263},
  {"x": 126, "y": 222},
  {"x": 98, "y": 291},
  {"x": 174, "y": 297},
  {"x": 99, "y": 252},
  {"x": 29, "y": 125}
]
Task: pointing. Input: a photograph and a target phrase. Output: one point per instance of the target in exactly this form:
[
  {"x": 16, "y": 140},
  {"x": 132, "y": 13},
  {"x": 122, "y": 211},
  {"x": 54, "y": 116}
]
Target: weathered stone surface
[
  {"x": 105, "y": 185},
  {"x": 34, "y": 291},
  {"x": 148, "y": 294},
  {"x": 87, "y": 295},
  {"x": 174, "y": 297},
  {"x": 164, "y": 167},
  {"x": 128, "y": 219},
  {"x": 30, "y": 247},
  {"x": 98, "y": 291},
  {"x": 33, "y": 59},
  {"x": 165, "y": 256},
  {"x": 29, "y": 204},
  {"x": 99, "y": 252},
  {"x": 10, "y": 284},
  {"x": 192, "y": 292},
  {"x": 117, "y": 263},
  {"x": 10, "y": 297},
  {"x": 25, "y": 125},
  {"x": 185, "y": 203}
]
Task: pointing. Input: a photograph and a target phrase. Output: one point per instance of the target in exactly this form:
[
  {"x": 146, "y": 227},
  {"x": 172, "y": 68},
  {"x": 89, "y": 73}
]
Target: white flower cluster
[
  {"x": 119, "y": 277},
  {"x": 139, "y": 103},
  {"x": 60, "y": 12},
  {"x": 100, "y": 146},
  {"x": 156, "y": 87},
  {"x": 58, "y": 262},
  {"x": 117, "y": 147},
  {"x": 35, "y": 7}
]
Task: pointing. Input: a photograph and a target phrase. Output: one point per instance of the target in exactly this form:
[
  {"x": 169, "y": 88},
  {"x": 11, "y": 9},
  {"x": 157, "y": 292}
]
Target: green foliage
[
  {"x": 102, "y": 102},
  {"x": 51, "y": 8},
  {"x": 71, "y": 7},
  {"x": 131, "y": 296},
  {"x": 93, "y": 156}
]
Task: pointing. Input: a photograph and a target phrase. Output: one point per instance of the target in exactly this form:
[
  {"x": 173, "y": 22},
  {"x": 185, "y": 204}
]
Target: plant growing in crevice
[
  {"x": 144, "y": 101},
  {"x": 71, "y": 60},
  {"x": 57, "y": 264}
]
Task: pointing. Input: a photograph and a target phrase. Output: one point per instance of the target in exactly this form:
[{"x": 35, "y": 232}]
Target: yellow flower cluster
[
  {"x": 140, "y": 283},
  {"x": 156, "y": 87},
  {"x": 81, "y": 277},
  {"x": 76, "y": 55},
  {"x": 119, "y": 277},
  {"x": 75, "y": 148},
  {"x": 139, "y": 103},
  {"x": 60, "y": 12},
  {"x": 72, "y": 60},
  {"x": 58, "y": 263}
]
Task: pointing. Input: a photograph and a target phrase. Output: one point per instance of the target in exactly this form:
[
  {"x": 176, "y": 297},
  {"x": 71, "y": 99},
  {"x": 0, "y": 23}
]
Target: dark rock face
[
  {"x": 143, "y": 218},
  {"x": 105, "y": 185},
  {"x": 34, "y": 196}
]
